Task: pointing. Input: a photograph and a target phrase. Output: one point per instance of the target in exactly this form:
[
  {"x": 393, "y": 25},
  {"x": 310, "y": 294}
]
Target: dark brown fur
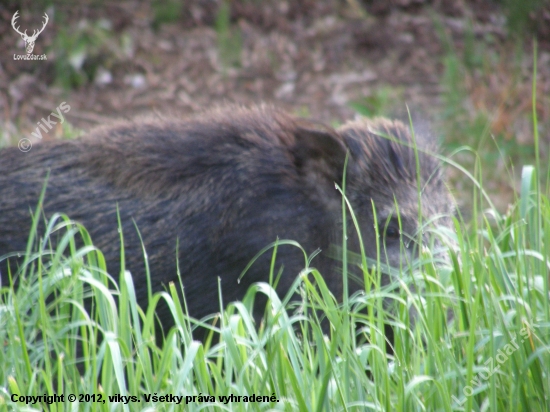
[{"x": 224, "y": 184}]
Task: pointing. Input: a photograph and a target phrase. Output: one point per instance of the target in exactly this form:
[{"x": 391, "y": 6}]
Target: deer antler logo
[{"x": 29, "y": 40}]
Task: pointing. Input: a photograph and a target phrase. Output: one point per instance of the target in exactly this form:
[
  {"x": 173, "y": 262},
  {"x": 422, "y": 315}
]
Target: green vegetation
[
  {"x": 81, "y": 51},
  {"x": 166, "y": 12},
  {"x": 520, "y": 15},
  {"x": 228, "y": 37},
  {"x": 379, "y": 102}
]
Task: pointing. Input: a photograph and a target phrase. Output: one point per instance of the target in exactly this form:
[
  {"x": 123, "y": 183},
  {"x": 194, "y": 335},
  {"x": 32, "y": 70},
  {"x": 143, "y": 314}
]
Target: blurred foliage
[
  {"x": 228, "y": 36},
  {"x": 166, "y": 11},
  {"x": 82, "y": 50},
  {"x": 521, "y": 16},
  {"x": 379, "y": 102}
]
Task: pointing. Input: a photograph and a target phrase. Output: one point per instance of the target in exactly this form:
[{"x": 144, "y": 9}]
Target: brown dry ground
[{"x": 314, "y": 58}]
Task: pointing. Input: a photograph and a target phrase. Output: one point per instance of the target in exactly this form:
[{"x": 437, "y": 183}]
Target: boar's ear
[{"x": 319, "y": 150}]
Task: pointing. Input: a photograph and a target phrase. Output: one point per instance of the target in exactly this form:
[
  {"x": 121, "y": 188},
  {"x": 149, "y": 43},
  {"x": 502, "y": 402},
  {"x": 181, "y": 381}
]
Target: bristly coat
[{"x": 222, "y": 185}]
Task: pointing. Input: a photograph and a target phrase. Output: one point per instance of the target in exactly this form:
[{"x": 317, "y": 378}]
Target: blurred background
[{"x": 463, "y": 68}]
